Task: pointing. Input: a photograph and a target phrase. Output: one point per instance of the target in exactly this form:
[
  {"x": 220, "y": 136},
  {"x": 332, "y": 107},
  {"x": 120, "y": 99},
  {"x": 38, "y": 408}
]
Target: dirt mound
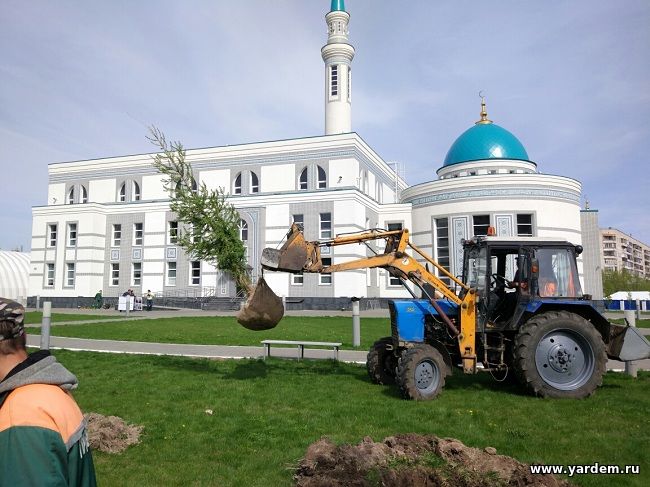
[
  {"x": 111, "y": 434},
  {"x": 413, "y": 460}
]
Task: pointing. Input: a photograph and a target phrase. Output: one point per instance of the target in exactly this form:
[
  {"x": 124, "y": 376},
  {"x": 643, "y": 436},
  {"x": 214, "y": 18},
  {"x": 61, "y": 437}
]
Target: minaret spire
[
  {"x": 337, "y": 55},
  {"x": 484, "y": 120}
]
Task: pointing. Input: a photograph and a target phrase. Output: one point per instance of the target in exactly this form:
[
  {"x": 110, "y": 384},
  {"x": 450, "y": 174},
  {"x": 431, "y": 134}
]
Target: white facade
[{"x": 121, "y": 234}]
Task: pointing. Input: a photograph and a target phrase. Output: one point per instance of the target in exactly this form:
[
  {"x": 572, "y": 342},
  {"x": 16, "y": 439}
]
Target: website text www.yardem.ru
[{"x": 594, "y": 468}]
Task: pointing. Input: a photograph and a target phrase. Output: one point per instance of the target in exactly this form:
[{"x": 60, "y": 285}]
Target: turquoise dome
[{"x": 485, "y": 141}]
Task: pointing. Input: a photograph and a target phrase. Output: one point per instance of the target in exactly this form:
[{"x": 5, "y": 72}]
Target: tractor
[{"x": 516, "y": 312}]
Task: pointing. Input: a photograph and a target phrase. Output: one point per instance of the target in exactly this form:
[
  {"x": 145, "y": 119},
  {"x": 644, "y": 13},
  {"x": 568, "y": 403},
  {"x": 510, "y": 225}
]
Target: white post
[
  {"x": 284, "y": 302},
  {"x": 38, "y": 303},
  {"x": 630, "y": 317},
  {"x": 638, "y": 309},
  {"x": 45, "y": 325},
  {"x": 356, "y": 323}
]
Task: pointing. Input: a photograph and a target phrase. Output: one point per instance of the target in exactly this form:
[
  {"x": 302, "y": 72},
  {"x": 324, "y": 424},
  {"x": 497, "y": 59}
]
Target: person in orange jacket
[{"x": 43, "y": 438}]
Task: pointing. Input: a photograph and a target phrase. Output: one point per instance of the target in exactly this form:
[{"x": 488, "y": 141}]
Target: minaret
[{"x": 338, "y": 54}]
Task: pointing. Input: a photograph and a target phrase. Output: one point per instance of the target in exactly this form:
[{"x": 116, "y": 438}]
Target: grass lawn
[
  {"x": 35, "y": 317},
  {"x": 639, "y": 323},
  {"x": 266, "y": 413},
  {"x": 224, "y": 330}
]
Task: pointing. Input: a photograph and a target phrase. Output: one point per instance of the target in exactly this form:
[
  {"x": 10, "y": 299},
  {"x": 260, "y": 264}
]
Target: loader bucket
[
  {"x": 263, "y": 310},
  {"x": 291, "y": 257},
  {"x": 626, "y": 343}
]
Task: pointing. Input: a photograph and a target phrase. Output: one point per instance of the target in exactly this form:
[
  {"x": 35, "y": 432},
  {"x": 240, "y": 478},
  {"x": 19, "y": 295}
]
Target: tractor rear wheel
[
  {"x": 421, "y": 372},
  {"x": 560, "y": 354},
  {"x": 381, "y": 362}
]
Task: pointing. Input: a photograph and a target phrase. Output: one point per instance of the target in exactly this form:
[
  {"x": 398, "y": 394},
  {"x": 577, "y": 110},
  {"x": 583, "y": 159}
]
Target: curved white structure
[{"x": 14, "y": 275}]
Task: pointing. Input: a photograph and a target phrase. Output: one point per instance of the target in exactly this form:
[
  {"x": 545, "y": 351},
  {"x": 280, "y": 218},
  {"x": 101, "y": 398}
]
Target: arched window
[
  {"x": 195, "y": 187},
  {"x": 322, "y": 178},
  {"x": 303, "y": 179},
  {"x": 243, "y": 230},
  {"x": 255, "y": 183},
  {"x": 136, "y": 191},
  {"x": 84, "y": 194},
  {"x": 71, "y": 196},
  {"x": 237, "y": 185},
  {"x": 123, "y": 192}
]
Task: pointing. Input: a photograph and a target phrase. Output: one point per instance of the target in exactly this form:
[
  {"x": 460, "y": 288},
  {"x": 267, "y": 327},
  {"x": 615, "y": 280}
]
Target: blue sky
[{"x": 82, "y": 80}]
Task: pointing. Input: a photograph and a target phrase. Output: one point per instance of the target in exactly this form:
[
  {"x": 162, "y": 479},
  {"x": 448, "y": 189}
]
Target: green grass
[
  {"x": 639, "y": 323},
  {"x": 224, "y": 330},
  {"x": 266, "y": 413},
  {"x": 35, "y": 317}
]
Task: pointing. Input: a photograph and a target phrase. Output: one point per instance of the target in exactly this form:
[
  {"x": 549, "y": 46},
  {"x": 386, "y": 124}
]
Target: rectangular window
[
  {"x": 325, "y": 225},
  {"x": 299, "y": 219},
  {"x": 525, "y": 225},
  {"x": 52, "y": 231},
  {"x": 325, "y": 279},
  {"x": 72, "y": 234},
  {"x": 195, "y": 273},
  {"x": 481, "y": 224},
  {"x": 138, "y": 233},
  {"x": 441, "y": 246},
  {"x": 117, "y": 235},
  {"x": 349, "y": 84},
  {"x": 49, "y": 281},
  {"x": 297, "y": 279},
  {"x": 136, "y": 274},
  {"x": 115, "y": 274},
  {"x": 69, "y": 274},
  {"x": 172, "y": 233},
  {"x": 334, "y": 81},
  {"x": 171, "y": 273}
]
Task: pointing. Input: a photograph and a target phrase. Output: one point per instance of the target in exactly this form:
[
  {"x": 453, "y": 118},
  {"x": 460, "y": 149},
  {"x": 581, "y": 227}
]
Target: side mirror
[{"x": 579, "y": 249}]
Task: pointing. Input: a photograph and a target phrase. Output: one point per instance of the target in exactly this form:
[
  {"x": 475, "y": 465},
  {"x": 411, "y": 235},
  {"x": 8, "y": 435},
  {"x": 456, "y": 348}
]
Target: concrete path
[{"x": 224, "y": 351}]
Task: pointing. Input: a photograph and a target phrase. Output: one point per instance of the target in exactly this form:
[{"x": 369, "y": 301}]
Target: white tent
[
  {"x": 14, "y": 275},
  {"x": 633, "y": 295}
]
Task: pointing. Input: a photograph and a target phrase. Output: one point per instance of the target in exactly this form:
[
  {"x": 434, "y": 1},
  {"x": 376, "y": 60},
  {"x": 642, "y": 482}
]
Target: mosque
[{"x": 107, "y": 223}]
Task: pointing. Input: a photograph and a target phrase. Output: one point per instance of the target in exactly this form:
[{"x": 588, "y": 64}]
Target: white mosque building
[{"x": 107, "y": 223}]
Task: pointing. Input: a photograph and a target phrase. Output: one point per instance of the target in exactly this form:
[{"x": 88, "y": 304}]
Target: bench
[{"x": 301, "y": 346}]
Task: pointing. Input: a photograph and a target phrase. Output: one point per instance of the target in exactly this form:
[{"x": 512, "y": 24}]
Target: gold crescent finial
[{"x": 484, "y": 119}]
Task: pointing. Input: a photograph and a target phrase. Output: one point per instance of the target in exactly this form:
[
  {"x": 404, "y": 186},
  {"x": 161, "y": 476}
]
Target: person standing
[
  {"x": 43, "y": 438},
  {"x": 149, "y": 297}
]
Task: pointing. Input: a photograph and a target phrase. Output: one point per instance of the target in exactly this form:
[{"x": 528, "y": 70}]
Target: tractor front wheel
[
  {"x": 421, "y": 373},
  {"x": 381, "y": 362},
  {"x": 560, "y": 354}
]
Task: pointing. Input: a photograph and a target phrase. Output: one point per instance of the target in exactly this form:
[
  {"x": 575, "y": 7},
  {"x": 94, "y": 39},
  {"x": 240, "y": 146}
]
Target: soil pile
[
  {"x": 111, "y": 434},
  {"x": 263, "y": 309},
  {"x": 413, "y": 460}
]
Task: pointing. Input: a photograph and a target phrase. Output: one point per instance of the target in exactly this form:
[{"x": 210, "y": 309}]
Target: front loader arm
[{"x": 300, "y": 255}]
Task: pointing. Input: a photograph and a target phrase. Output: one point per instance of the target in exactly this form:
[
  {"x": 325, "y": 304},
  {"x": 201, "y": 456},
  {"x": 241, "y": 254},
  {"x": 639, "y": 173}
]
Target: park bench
[{"x": 301, "y": 346}]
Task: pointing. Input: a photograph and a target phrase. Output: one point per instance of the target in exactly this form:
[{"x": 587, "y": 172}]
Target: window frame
[
  {"x": 321, "y": 183},
  {"x": 70, "y": 281},
  {"x": 52, "y": 234},
  {"x": 72, "y": 230},
  {"x": 171, "y": 266},
  {"x": 298, "y": 279},
  {"x": 479, "y": 225},
  {"x": 138, "y": 234},
  {"x": 195, "y": 273},
  {"x": 325, "y": 233},
  {"x": 84, "y": 194},
  {"x": 137, "y": 194},
  {"x": 334, "y": 88},
  {"x": 135, "y": 271},
  {"x": 303, "y": 180},
  {"x": 114, "y": 280},
  {"x": 121, "y": 195},
  {"x": 390, "y": 226},
  {"x": 237, "y": 186},
  {"x": 71, "y": 196},
  {"x": 50, "y": 274},
  {"x": 172, "y": 232},
  {"x": 254, "y": 182},
  {"x": 524, "y": 224},
  {"x": 116, "y": 241},
  {"x": 325, "y": 279}
]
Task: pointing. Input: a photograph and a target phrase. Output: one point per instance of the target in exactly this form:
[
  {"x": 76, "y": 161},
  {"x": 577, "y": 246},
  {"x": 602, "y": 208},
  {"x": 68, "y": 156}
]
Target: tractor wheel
[
  {"x": 421, "y": 373},
  {"x": 381, "y": 362},
  {"x": 560, "y": 354}
]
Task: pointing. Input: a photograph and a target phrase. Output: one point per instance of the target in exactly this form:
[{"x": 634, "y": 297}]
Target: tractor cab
[{"x": 509, "y": 273}]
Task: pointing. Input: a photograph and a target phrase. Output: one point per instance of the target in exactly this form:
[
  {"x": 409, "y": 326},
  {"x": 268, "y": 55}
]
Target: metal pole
[
  {"x": 45, "y": 325},
  {"x": 356, "y": 323},
  {"x": 128, "y": 305},
  {"x": 638, "y": 309},
  {"x": 38, "y": 303},
  {"x": 630, "y": 317}
]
